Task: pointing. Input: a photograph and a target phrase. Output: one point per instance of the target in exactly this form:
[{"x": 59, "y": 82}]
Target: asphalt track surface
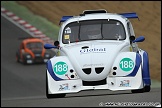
[{"x": 24, "y": 85}]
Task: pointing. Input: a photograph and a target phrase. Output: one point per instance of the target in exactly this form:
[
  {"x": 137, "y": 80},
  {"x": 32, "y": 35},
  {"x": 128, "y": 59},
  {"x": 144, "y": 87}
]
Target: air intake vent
[
  {"x": 93, "y": 11},
  {"x": 99, "y": 69},
  {"x": 94, "y": 83},
  {"x": 87, "y": 70},
  {"x": 37, "y": 51}
]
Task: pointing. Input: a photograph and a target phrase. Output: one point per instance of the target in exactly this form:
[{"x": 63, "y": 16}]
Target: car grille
[
  {"x": 94, "y": 83},
  {"x": 38, "y": 59},
  {"x": 99, "y": 69},
  {"x": 37, "y": 51},
  {"x": 87, "y": 70}
]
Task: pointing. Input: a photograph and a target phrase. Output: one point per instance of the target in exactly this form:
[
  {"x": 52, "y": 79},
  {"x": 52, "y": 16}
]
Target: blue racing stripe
[
  {"x": 137, "y": 65},
  {"x": 50, "y": 70}
]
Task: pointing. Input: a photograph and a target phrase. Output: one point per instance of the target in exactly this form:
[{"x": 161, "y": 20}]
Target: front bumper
[
  {"x": 112, "y": 83},
  {"x": 37, "y": 60}
]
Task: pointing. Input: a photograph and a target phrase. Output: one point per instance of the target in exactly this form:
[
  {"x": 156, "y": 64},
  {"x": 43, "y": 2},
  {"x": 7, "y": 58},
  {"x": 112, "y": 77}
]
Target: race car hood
[
  {"x": 36, "y": 52},
  {"x": 93, "y": 61}
]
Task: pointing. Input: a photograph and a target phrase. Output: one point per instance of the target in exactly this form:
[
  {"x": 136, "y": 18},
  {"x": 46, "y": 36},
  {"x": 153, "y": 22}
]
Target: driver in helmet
[{"x": 94, "y": 33}]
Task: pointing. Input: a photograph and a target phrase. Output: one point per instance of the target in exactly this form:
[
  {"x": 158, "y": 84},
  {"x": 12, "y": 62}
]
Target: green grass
[
  {"x": 39, "y": 22},
  {"x": 155, "y": 83}
]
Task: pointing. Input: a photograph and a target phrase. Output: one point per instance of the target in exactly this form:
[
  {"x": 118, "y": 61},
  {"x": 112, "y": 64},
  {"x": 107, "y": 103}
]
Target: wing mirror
[
  {"x": 132, "y": 38},
  {"x": 56, "y": 43},
  {"x": 139, "y": 39},
  {"x": 49, "y": 46}
]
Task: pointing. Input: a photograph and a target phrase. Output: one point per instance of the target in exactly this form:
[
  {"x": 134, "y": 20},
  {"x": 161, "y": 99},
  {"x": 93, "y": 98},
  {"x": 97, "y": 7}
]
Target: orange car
[{"x": 32, "y": 51}]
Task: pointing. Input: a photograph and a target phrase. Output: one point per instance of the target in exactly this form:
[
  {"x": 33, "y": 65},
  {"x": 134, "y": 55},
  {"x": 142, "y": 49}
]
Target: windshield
[
  {"x": 34, "y": 45},
  {"x": 93, "y": 30}
]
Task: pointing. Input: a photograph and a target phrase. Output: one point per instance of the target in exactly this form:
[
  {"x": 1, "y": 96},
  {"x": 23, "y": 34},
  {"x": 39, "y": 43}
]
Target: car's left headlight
[{"x": 28, "y": 56}]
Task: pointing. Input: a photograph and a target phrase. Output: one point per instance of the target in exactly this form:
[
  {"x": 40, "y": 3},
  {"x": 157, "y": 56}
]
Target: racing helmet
[{"x": 94, "y": 33}]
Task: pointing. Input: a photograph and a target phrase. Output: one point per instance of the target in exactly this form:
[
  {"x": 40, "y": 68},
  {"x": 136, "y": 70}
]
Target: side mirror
[
  {"x": 132, "y": 38},
  {"x": 139, "y": 39},
  {"x": 56, "y": 43},
  {"x": 49, "y": 46}
]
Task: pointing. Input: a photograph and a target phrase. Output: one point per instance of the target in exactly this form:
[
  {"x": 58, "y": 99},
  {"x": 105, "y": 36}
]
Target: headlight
[
  {"x": 28, "y": 56},
  {"x": 47, "y": 55}
]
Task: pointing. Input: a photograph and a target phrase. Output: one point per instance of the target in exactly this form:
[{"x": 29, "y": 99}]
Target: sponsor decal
[
  {"x": 124, "y": 83},
  {"x": 93, "y": 50},
  {"x": 86, "y": 65},
  {"x": 68, "y": 30},
  {"x": 66, "y": 36},
  {"x": 58, "y": 53},
  {"x": 60, "y": 68},
  {"x": 64, "y": 87},
  {"x": 130, "y": 48},
  {"x": 126, "y": 64},
  {"x": 67, "y": 76}
]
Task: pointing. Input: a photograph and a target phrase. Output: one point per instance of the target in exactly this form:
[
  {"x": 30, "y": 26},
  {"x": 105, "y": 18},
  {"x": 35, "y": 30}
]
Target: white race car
[{"x": 97, "y": 50}]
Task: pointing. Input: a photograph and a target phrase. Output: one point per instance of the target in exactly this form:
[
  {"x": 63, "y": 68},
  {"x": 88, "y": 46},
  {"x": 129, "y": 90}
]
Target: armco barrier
[{"x": 33, "y": 31}]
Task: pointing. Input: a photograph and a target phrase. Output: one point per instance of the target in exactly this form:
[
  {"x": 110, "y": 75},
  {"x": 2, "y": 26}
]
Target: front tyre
[
  {"x": 24, "y": 61},
  {"x": 52, "y": 95},
  {"x": 17, "y": 58},
  {"x": 137, "y": 91},
  {"x": 145, "y": 89}
]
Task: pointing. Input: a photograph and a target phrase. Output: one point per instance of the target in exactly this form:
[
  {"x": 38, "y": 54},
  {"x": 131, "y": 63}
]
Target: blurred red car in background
[{"x": 31, "y": 51}]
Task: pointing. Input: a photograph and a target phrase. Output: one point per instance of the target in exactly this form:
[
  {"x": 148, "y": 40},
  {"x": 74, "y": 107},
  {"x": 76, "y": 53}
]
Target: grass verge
[{"x": 39, "y": 22}]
